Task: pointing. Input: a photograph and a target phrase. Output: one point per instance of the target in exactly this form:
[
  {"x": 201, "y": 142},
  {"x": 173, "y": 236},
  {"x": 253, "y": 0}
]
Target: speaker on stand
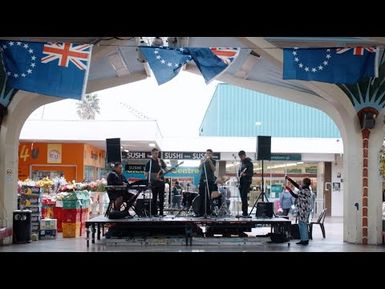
[
  {"x": 263, "y": 153},
  {"x": 113, "y": 150}
]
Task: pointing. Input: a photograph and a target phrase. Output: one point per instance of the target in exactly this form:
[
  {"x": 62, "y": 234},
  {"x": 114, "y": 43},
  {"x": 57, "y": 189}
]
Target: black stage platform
[{"x": 187, "y": 226}]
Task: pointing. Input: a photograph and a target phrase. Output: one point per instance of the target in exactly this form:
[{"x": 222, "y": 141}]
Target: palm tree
[
  {"x": 88, "y": 107},
  {"x": 6, "y": 93},
  {"x": 369, "y": 92}
]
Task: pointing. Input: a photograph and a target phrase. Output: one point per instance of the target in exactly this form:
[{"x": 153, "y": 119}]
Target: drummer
[
  {"x": 224, "y": 190},
  {"x": 220, "y": 193}
]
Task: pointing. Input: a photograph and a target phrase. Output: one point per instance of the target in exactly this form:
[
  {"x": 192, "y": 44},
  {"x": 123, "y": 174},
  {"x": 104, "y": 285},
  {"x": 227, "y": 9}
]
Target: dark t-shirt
[
  {"x": 247, "y": 168},
  {"x": 155, "y": 169},
  {"x": 209, "y": 172},
  {"x": 114, "y": 179}
]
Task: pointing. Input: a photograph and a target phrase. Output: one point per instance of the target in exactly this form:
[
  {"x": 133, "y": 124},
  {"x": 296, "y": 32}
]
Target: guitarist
[
  {"x": 245, "y": 178},
  {"x": 158, "y": 167}
]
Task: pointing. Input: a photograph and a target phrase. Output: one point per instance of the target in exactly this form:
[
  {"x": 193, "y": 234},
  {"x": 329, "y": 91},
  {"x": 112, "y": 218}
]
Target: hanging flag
[
  {"x": 213, "y": 61},
  {"x": 56, "y": 69},
  {"x": 333, "y": 65},
  {"x": 165, "y": 62}
]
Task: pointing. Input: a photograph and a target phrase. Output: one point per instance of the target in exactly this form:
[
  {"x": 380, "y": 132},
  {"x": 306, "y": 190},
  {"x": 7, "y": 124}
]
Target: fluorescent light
[
  {"x": 152, "y": 145},
  {"x": 118, "y": 63}
]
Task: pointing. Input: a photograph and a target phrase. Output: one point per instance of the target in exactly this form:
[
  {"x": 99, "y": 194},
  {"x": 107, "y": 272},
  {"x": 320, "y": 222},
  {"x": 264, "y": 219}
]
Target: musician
[
  {"x": 206, "y": 182},
  {"x": 156, "y": 179},
  {"x": 245, "y": 174},
  {"x": 116, "y": 178}
]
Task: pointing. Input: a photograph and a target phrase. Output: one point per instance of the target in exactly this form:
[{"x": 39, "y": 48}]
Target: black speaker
[
  {"x": 264, "y": 147},
  {"x": 113, "y": 150},
  {"x": 264, "y": 210},
  {"x": 22, "y": 226}
]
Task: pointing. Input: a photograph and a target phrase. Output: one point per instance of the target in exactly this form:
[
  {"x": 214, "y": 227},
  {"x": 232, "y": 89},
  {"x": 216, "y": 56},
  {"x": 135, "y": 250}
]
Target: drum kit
[{"x": 191, "y": 203}]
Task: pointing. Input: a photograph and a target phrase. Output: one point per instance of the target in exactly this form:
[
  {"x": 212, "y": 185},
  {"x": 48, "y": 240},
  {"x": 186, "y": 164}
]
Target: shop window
[{"x": 39, "y": 174}]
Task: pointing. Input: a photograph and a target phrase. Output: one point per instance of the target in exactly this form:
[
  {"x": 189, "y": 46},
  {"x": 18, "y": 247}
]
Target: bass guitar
[{"x": 159, "y": 175}]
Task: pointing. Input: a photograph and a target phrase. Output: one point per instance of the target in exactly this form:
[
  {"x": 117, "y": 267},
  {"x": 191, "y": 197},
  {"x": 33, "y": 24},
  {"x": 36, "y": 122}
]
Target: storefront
[{"x": 74, "y": 161}]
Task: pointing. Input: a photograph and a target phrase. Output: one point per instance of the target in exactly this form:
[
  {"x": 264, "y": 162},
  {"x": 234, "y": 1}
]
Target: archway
[{"x": 360, "y": 226}]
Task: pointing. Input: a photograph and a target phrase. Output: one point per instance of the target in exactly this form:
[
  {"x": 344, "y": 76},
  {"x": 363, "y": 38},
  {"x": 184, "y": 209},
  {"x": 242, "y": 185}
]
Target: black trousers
[
  {"x": 205, "y": 197},
  {"x": 157, "y": 190},
  {"x": 244, "y": 189}
]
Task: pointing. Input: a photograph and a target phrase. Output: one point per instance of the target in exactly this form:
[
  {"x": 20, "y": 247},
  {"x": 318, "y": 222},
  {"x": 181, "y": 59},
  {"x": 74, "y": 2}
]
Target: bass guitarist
[
  {"x": 245, "y": 178},
  {"x": 154, "y": 172}
]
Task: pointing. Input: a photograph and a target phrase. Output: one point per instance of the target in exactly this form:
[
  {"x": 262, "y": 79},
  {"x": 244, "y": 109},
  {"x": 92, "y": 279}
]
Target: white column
[
  {"x": 320, "y": 187},
  {"x": 21, "y": 106}
]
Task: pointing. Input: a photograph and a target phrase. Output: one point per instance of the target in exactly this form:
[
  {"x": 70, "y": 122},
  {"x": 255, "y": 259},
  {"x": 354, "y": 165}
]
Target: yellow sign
[
  {"x": 24, "y": 153},
  {"x": 54, "y": 153}
]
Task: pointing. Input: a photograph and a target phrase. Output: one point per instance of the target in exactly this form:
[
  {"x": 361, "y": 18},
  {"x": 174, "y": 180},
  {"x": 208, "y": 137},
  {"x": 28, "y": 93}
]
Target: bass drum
[{"x": 196, "y": 204}]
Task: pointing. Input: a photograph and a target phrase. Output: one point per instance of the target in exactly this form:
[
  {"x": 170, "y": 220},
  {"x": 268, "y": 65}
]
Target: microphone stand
[
  {"x": 207, "y": 190},
  {"x": 237, "y": 186},
  {"x": 150, "y": 186}
]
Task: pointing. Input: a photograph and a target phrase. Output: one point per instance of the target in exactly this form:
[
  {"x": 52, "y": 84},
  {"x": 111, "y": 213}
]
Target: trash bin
[{"x": 22, "y": 226}]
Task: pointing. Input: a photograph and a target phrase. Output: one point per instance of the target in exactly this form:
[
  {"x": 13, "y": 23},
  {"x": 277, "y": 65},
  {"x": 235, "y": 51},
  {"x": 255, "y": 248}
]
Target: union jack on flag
[
  {"x": 32, "y": 66},
  {"x": 226, "y": 54},
  {"x": 66, "y": 52},
  {"x": 356, "y": 50}
]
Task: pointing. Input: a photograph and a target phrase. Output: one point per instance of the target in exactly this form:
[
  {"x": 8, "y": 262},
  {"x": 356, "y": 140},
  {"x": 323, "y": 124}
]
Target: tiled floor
[{"x": 332, "y": 243}]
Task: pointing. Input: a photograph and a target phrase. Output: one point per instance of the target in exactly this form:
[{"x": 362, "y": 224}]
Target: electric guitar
[
  {"x": 158, "y": 176},
  {"x": 239, "y": 175}
]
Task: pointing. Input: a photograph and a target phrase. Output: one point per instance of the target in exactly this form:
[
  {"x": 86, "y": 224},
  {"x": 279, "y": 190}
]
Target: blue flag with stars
[
  {"x": 332, "y": 65},
  {"x": 213, "y": 61},
  {"x": 55, "y": 69},
  {"x": 165, "y": 62}
]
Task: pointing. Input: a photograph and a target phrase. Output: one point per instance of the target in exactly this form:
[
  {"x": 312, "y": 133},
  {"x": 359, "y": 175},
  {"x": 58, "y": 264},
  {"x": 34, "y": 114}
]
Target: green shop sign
[{"x": 286, "y": 157}]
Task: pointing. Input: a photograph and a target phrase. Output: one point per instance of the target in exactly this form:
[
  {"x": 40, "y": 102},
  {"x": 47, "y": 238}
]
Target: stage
[{"x": 186, "y": 226}]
